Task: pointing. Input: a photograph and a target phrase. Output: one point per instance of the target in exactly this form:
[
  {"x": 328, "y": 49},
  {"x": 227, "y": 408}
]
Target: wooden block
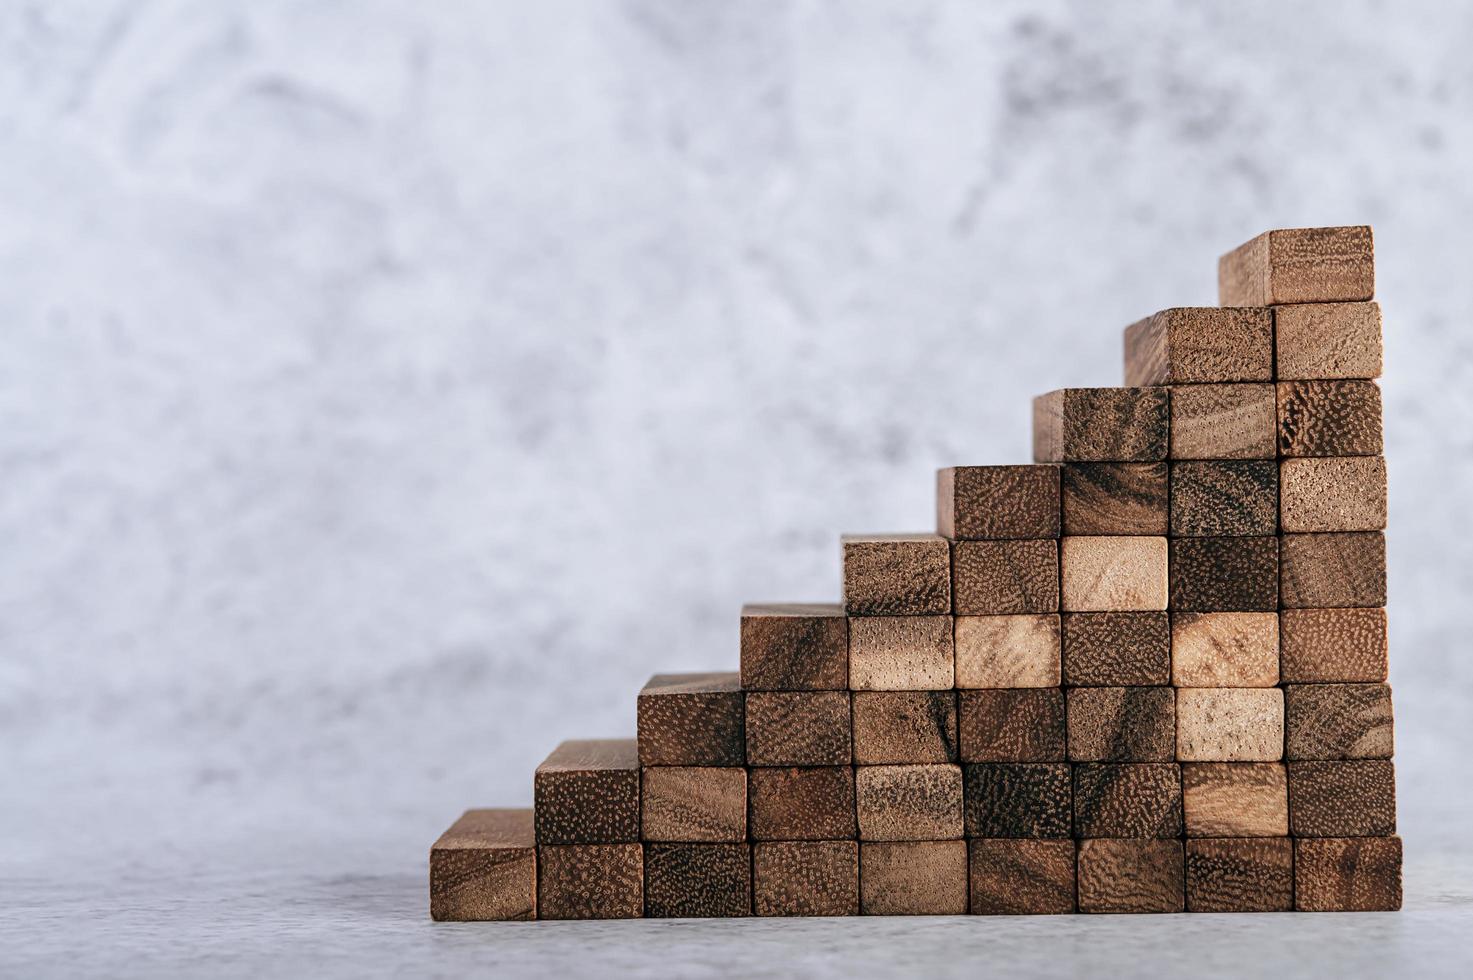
[
  {"x": 806, "y": 878},
  {"x": 904, "y": 727},
  {"x": 1327, "y": 340},
  {"x": 793, "y": 647},
  {"x": 1116, "y": 649},
  {"x": 1341, "y": 493},
  {"x": 1337, "y": 721},
  {"x": 798, "y": 728},
  {"x": 1109, "y": 574},
  {"x": 693, "y": 804},
  {"x": 1025, "y": 725},
  {"x": 1320, "y": 645},
  {"x": 1225, "y": 649},
  {"x": 691, "y": 720},
  {"x": 1329, "y": 418},
  {"x": 1333, "y": 570},
  {"x": 484, "y": 868},
  {"x": 995, "y": 502},
  {"x": 901, "y": 653},
  {"x": 1131, "y": 876},
  {"x": 1229, "y": 724},
  {"x": 1225, "y": 574},
  {"x": 1002, "y": 578},
  {"x": 1101, "y": 425},
  {"x": 1354, "y": 798},
  {"x": 1200, "y": 343},
  {"x": 1356, "y": 874},
  {"x": 587, "y": 792},
  {"x": 1244, "y": 874},
  {"x": 697, "y": 881},
  {"x": 802, "y": 804},
  {"x": 1114, "y": 498},
  {"x": 1137, "y": 799},
  {"x": 908, "y": 802},
  {"x": 1235, "y": 799},
  {"x": 1122, "y": 724},
  {"x": 1007, "y": 651},
  {"x": 590, "y": 881},
  {"x": 1224, "y": 422},
  {"x": 1224, "y": 498},
  {"x": 1299, "y": 265},
  {"x": 913, "y": 877},
  {"x": 897, "y": 575},
  {"x": 1021, "y": 877},
  {"x": 1008, "y": 799}
]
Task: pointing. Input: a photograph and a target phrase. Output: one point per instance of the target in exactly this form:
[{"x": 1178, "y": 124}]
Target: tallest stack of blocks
[{"x": 1146, "y": 673}]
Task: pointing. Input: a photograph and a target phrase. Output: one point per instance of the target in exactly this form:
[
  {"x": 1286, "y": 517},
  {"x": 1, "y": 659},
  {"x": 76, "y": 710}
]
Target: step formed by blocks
[
  {"x": 897, "y": 575},
  {"x": 1299, "y": 265},
  {"x": 485, "y": 868},
  {"x": 802, "y": 803},
  {"x": 905, "y": 727},
  {"x": 1001, "y": 578},
  {"x": 1117, "y": 649},
  {"x": 1327, "y": 341},
  {"x": 1224, "y": 422},
  {"x": 587, "y": 792},
  {"x": 798, "y": 728},
  {"x": 691, "y": 720},
  {"x": 913, "y": 877},
  {"x": 1021, "y": 877},
  {"x": 1101, "y": 425},
  {"x": 1245, "y": 874},
  {"x": 1336, "y": 493},
  {"x": 1235, "y": 799},
  {"x": 1329, "y": 645},
  {"x": 901, "y": 653},
  {"x": 1357, "y": 874},
  {"x": 1329, "y": 418},
  {"x": 1131, "y": 876},
  {"x": 805, "y": 878},
  {"x": 1114, "y": 498},
  {"x": 1200, "y": 344},
  {"x": 1008, "y": 651},
  {"x": 1223, "y": 498},
  {"x": 993, "y": 502},
  {"x": 794, "y": 647}
]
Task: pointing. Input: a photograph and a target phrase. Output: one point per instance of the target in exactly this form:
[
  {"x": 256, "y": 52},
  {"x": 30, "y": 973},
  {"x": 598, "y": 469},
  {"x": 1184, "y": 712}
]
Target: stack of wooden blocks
[{"x": 1146, "y": 673}]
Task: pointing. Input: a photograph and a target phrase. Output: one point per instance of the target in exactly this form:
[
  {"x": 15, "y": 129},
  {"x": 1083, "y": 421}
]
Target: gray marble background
[{"x": 387, "y": 389}]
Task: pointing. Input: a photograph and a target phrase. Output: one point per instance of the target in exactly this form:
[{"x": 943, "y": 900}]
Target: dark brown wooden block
[
  {"x": 1131, "y": 876},
  {"x": 806, "y": 878},
  {"x": 1025, "y": 725},
  {"x": 1122, "y": 724},
  {"x": 901, "y": 653},
  {"x": 1235, "y": 799},
  {"x": 1229, "y": 724},
  {"x": 484, "y": 868},
  {"x": 1327, "y": 340},
  {"x": 691, "y": 720},
  {"x": 904, "y": 727},
  {"x": 995, "y": 578},
  {"x": 1323, "y": 645},
  {"x": 1337, "y": 721},
  {"x": 1353, "y": 798},
  {"x": 1244, "y": 874},
  {"x": 908, "y": 802},
  {"x": 1224, "y": 422},
  {"x": 1357, "y": 874},
  {"x": 696, "y": 881},
  {"x": 926, "y": 877},
  {"x": 1225, "y": 574},
  {"x": 995, "y": 502},
  {"x": 1008, "y": 799},
  {"x": 1222, "y": 498},
  {"x": 793, "y": 647},
  {"x": 1007, "y": 651},
  {"x": 1117, "y": 649},
  {"x": 1114, "y": 498},
  {"x": 587, "y": 792},
  {"x": 1112, "y": 573},
  {"x": 693, "y": 804},
  {"x": 1021, "y": 877},
  {"x": 1329, "y": 418},
  {"x": 1333, "y": 570},
  {"x": 897, "y": 575},
  {"x": 802, "y": 804},
  {"x": 1225, "y": 649},
  {"x": 1138, "y": 799},
  {"x": 590, "y": 881},
  {"x": 1339, "y": 493},
  {"x": 1200, "y": 343},
  {"x": 1101, "y": 425},
  {"x": 1299, "y": 265},
  {"x": 798, "y": 728}
]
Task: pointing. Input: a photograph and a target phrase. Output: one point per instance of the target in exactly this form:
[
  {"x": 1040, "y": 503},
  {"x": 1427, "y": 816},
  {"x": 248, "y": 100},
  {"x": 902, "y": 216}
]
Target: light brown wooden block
[
  {"x": 806, "y": 878},
  {"x": 1025, "y": 725},
  {"x": 1299, "y": 265},
  {"x": 794, "y": 647},
  {"x": 802, "y": 804},
  {"x": 1340, "y": 493},
  {"x": 1357, "y": 874},
  {"x": 1017, "y": 799},
  {"x": 897, "y": 575},
  {"x": 1122, "y": 724},
  {"x": 1101, "y": 425},
  {"x": 691, "y": 720},
  {"x": 904, "y": 727},
  {"x": 909, "y": 802},
  {"x": 1235, "y": 799},
  {"x": 1224, "y": 422},
  {"x": 1007, "y": 651},
  {"x": 484, "y": 868},
  {"x": 1333, "y": 570},
  {"x": 695, "y": 881},
  {"x": 798, "y": 728},
  {"x": 1198, "y": 344},
  {"x": 1117, "y": 649},
  {"x": 1327, "y": 340},
  {"x": 1224, "y": 497},
  {"x": 587, "y": 792},
  {"x": 913, "y": 877},
  {"x": 1329, "y": 418},
  {"x": 1225, "y": 649},
  {"x": 901, "y": 653},
  {"x": 693, "y": 804},
  {"x": 1115, "y": 498},
  {"x": 1107, "y": 574},
  {"x": 1338, "y": 721},
  {"x": 590, "y": 881},
  {"x": 1254, "y": 874},
  {"x": 1001, "y": 578},
  {"x": 1021, "y": 877},
  {"x": 1131, "y": 876},
  {"x": 1353, "y": 798},
  {"x": 1227, "y": 724},
  {"x": 1137, "y": 799},
  {"x": 994, "y": 502},
  {"x": 1225, "y": 574},
  {"x": 1327, "y": 645}
]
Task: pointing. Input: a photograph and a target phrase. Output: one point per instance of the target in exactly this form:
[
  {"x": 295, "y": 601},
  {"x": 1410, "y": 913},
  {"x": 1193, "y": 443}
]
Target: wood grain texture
[
  {"x": 1131, "y": 876},
  {"x": 693, "y": 804},
  {"x": 1021, "y": 877},
  {"x": 1134, "y": 799},
  {"x": 1341, "y": 493},
  {"x": 590, "y": 881},
  {"x": 999, "y": 578},
  {"x": 897, "y": 575},
  {"x": 484, "y": 868},
  {"x": 1113, "y": 574},
  {"x": 1338, "y": 721},
  {"x": 1114, "y": 498},
  {"x": 1117, "y": 649},
  {"x": 908, "y": 802},
  {"x": 1235, "y": 799},
  {"x": 1353, "y": 798},
  {"x": 1224, "y": 498},
  {"x": 794, "y": 647},
  {"x": 1329, "y": 418},
  {"x": 696, "y": 881},
  {"x": 1240, "y": 875},
  {"x": 1007, "y": 651},
  {"x": 802, "y": 803},
  {"x": 691, "y": 720},
  {"x": 1225, "y": 574},
  {"x": 1025, "y": 725},
  {"x": 1225, "y": 649},
  {"x": 806, "y": 878},
  {"x": 901, "y": 653},
  {"x": 1333, "y": 570},
  {"x": 913, "y": 877},
  {"x": 1299, "y": 265},
  {"x": 1224, "y": 422},
  {"x": 1327, "y": 645},
  {"x": 993, "y": 502},
  {"x": 1229, "y": 724},
  {"x": 1200, "y": 344},
  {"x": 1327, "y": 340},
  {"x": 798, "y": 728},
  {"x": 1122, "y": 724},
  {"x": 904, "y": 727},
  {"x": 1358, "y": 874},
  {"x": 1005, "y": 799},
  {"x": 1101, "y": 425},
  {"x": 587, "y": 792}
]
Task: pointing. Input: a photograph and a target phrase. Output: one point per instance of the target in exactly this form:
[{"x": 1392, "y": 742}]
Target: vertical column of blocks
[{"x": 590, "y": 864}]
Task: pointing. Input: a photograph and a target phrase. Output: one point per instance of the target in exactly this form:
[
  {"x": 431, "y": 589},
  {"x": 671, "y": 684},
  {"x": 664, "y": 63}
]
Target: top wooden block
[
  {"x": 1187, "y": 345},
  {"x": 1085, "y": 425},
  {"x": 1299, "y": 265},
  {"x": 587, "y": 792},
  {"x": 897, "y": 575},
  {"x": 794, "y": 647},
  {"x": 997, "y": 502}
]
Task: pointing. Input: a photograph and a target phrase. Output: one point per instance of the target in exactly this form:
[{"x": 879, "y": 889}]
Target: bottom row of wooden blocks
[{"x": 487, "y": 866}]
